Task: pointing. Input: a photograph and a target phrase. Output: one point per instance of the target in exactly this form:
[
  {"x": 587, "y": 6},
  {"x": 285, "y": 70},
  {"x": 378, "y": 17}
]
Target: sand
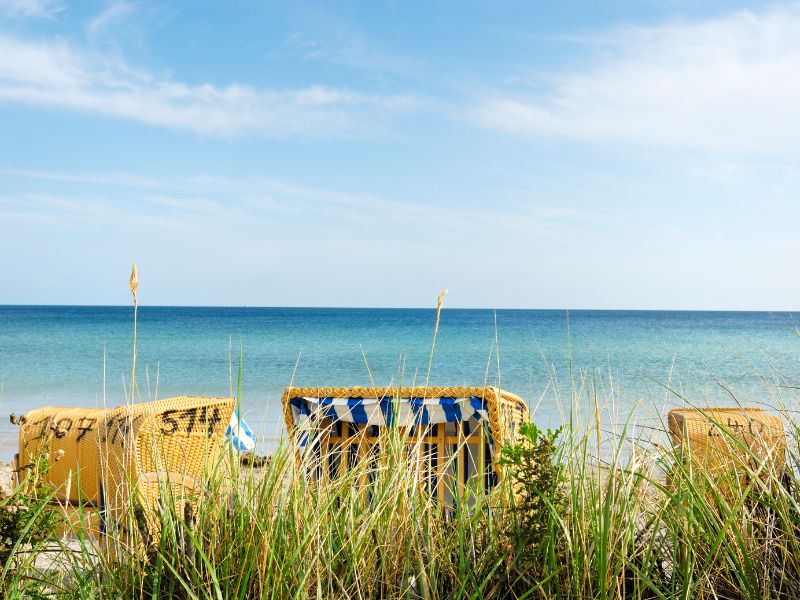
[{"x": 5, "y": 475}]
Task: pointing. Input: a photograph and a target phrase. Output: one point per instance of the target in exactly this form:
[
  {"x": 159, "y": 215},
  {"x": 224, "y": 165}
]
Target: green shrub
[
  {"x": 531, "y": 530},
  {"x": 27, "y": 522}
]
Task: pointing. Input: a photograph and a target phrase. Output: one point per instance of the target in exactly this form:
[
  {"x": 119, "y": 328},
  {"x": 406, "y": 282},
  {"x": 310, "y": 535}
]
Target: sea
[{"x": 635, "y": 365}]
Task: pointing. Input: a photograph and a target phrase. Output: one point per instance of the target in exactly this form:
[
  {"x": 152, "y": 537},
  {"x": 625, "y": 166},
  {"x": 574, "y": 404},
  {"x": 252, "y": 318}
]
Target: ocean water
[{"x": 80, "y": 355}]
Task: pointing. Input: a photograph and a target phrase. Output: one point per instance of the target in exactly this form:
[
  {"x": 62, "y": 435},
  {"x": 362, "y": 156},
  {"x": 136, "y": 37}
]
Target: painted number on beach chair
[
  {"x": 85, "y": 425},
  {"x": 45, "y": 423},
  {"x": 754, "y": 427},
  {"x": 191, "y": 419},
  {"x": 120, "y": 428}
]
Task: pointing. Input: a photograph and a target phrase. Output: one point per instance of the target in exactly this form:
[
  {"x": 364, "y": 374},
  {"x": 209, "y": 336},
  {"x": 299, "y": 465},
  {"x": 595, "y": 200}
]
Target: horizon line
[{"x": 432, "y": 308}]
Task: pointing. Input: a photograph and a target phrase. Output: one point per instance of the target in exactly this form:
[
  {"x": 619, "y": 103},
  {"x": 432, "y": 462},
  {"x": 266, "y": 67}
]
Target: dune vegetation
[{"x": 580, "y": 513}]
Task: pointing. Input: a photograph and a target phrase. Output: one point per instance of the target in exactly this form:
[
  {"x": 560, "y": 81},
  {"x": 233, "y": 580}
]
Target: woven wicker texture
[
  {"x": 62, "y": 433},
  {"x": 130, "y": 452},
  {"x": 727, "y": 440},
  {"x": 169, "y": 442},
  {"x": 506, "y": 410}
]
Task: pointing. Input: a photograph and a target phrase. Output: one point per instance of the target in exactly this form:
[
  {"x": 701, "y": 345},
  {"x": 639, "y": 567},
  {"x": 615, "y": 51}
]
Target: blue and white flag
[{"x": 240, "y": 434}]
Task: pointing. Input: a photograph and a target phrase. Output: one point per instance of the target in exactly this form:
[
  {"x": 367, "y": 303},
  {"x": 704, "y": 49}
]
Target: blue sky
[{"x": 520, "y": 154}]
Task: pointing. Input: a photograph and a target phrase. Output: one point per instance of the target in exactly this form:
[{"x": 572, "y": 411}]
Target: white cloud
[
  {"x": 254, "y": 235},
  {"x": 728, "y": 170},
  {"x": 244, "y": 201},
  {"x": 113, "y": 14},
  {"x": 56, "y": 74},
  {"x": 31, "y": 8},
  {"x": 350, "y": 48},
  {"x": 727, "y": 84}
]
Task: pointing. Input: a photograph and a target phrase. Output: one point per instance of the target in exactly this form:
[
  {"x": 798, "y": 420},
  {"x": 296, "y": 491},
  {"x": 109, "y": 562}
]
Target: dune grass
[{"x": 566, "y": 522}]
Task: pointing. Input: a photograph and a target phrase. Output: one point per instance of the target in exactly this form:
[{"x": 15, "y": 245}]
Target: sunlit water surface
[{"x": 71, "y": 355}]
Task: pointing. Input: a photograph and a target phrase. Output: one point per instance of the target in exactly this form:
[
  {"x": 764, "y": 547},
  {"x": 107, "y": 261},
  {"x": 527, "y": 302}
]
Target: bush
[
  {"x": 27, "y": 521},
  {"x": 532, "y": 531}
]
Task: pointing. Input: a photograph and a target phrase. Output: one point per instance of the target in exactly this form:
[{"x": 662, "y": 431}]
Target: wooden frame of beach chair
[
  {"x": 729, "y": 442},
  {"x": 106, "y": 460},
  {"x": 478, "y": 422},
  {"x": 15, "y": 470}
]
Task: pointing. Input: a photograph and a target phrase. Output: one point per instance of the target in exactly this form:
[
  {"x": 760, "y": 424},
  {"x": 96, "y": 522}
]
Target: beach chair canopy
[
  {"x": 499, "y": 411},
  {"x": 387, "y": 411}
]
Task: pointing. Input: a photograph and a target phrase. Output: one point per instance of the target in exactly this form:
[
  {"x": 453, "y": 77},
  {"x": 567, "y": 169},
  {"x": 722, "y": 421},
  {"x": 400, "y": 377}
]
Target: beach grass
[{"x": 611, "y": 514}]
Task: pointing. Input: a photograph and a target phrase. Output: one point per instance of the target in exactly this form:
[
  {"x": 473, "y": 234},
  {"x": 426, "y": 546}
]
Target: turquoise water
[{"x": 56, "y": 354}]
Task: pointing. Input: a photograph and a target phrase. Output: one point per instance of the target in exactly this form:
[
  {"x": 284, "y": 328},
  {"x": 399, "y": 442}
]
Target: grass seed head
[
  {"x": 440, "y": 299},
  {"x": 134, "y": 282}
]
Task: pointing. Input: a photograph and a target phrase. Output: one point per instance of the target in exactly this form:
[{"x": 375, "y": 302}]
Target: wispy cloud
[
  {"x": 727, "y": 84},
  {"x": 115, "y": 13},
  {"x": 349, "y": 48},
  {"x": 254, "y": 201},
  {"x": 41, "y": 9},
  {"x": 264, "y": 237},
  {"x": 753, "y": 170},
  {"x": 339, "y": 38},
  {"x": 57, "y": 74}
]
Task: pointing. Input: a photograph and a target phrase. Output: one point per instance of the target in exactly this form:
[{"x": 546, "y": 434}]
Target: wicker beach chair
[
  {"x": 726, "y": 442},
  {"x": 59, "y": 435},
  {"x": 461, "y": 429},
  {"x": 110, "y": 460},
  {"x": 160, "y": 448}
]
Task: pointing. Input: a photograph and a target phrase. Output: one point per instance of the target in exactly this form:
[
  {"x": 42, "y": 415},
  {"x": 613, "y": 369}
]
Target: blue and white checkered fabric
[{"x": 386, "y": 411}]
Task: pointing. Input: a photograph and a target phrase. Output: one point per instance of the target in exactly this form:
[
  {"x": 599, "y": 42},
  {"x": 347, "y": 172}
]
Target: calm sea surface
[{"x": 59, "y": 354}]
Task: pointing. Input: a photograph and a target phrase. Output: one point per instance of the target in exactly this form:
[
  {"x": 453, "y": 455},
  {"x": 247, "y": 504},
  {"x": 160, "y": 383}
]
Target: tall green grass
[{"x": 628, "y": 518}]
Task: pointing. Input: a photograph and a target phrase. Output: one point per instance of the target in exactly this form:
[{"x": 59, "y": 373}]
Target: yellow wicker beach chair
[
  {"x": 729, "y": 441},
  {"x": 112, "y": 459},
  {"x": 461, "y": 429},
  {"x": 156, "y": 447},
  {"x": 59, "y": 434}
]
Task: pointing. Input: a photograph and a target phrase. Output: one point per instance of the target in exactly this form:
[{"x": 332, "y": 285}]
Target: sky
[{"x": 619, "y": 155}]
